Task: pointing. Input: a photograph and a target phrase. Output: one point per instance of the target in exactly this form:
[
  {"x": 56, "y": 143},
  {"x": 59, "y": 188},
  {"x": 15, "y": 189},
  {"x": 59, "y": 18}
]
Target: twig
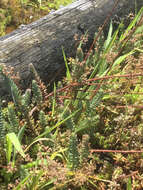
[
  {"x": 114, "y": 76},
  {"x": 117, "y": 151}
]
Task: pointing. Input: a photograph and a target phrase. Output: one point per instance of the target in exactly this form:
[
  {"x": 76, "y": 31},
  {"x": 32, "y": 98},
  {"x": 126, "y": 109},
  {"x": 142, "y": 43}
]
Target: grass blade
[
  {"x": 22, "y": 182},
  {"x": 67, "y": 67},
  {"x": 109, "y": 37},
  {"x": 131, "y": 25},
  {"x": 57, "y": 125},
  {"x": 54, "y": 100}
]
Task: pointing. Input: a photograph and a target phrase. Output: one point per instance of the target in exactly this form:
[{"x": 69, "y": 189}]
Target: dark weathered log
[{"x": 40, "y": 42}]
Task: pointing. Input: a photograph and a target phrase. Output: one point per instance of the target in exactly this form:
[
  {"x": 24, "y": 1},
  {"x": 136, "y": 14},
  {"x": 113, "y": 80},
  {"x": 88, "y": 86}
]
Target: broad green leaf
[
  {"x": 8, "y": 149},
  {"x": 129, "y": 184},
  {"x": 12, "y": 138}
]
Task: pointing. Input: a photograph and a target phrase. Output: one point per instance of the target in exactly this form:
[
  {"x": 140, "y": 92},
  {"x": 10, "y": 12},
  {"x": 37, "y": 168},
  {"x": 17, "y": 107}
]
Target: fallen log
[{"x": 40, "y": 42}]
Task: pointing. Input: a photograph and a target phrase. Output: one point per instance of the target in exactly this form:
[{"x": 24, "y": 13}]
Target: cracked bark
[{"x": 40, "y": 42}]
